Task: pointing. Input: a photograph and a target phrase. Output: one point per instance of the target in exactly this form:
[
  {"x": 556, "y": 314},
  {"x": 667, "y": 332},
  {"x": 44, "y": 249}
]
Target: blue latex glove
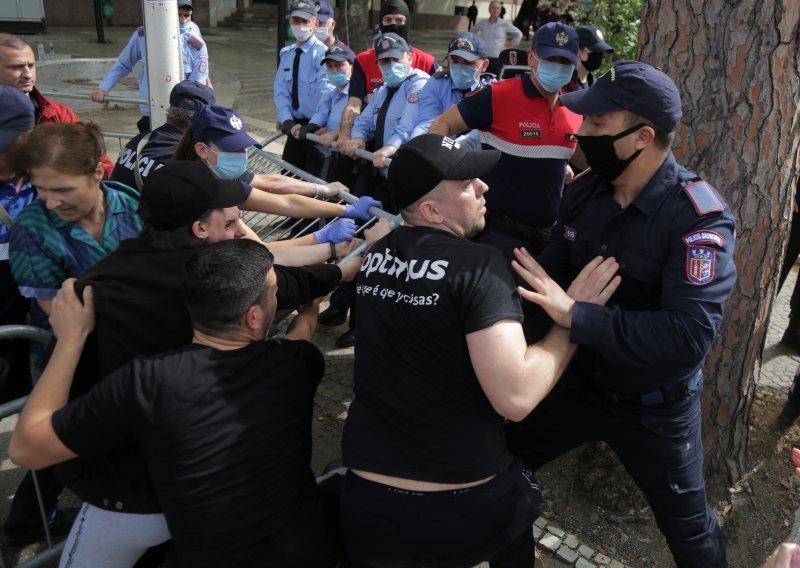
[
  {"x": 360, "y": 209},
  {"x": 336, "y": 232}
]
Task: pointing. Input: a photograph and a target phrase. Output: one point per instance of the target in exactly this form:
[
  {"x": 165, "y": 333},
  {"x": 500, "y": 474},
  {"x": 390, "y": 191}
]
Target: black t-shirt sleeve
[
  {"x": 297, "y": 285},
  {"x": 489, "y": 293},
  {"x": 101, "y": 419},
  {"x": 358, "y": 82},
  {"x": 476, "y": 109}
]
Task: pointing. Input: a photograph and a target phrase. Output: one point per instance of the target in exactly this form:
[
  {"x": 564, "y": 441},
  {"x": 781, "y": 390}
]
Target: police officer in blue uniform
[
  {"x": 147, "y": 152},
  {"x": 299, "y": 84},
  {"x": 195, "y": 65},
  {"x": 636, "y": 379},
  {"x": 468, "y": 60}
]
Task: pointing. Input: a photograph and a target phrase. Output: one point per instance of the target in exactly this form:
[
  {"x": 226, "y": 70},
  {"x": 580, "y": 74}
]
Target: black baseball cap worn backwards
[
  {"x": 177, "y": 194},
  {"x": 634, "y": 86},
  {"x": 424, "y": 161}
]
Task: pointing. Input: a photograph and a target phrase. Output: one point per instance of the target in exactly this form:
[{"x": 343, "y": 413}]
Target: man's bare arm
[
  {"x": 349, "y": 114},
  {"x": 449, "y": 123}
]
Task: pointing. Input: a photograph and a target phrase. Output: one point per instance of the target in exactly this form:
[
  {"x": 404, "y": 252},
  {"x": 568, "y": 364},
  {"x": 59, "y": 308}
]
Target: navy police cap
[
  {"x": 338, "y": 52},
  {"x": 555, "y": 39},
  {"x": 191, "y": 95},
  {"x": 223, "y": 126},
  {"x": 390, "y": 45},
  {"x": 634, "y": 86},
  {"x": 16, "y": 115},
  {"x": 182, "y": 3},
  {"x": 302, "y": 9},
  {"x": 468, "y": 46},
  {"x": 592, "y": 39},
  {"x": 324, "y": 11}
]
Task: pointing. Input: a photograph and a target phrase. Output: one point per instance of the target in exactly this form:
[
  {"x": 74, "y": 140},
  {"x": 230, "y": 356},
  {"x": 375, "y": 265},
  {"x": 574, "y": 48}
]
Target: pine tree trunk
[
  {"x": 352, "y": 24},
  {"x": 735, "y": 63}
]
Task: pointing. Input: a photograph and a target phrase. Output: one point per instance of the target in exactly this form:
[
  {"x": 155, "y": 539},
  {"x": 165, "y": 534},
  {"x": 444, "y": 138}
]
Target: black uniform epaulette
[
  {"x": 441, "y": 74},
  {"x": 140, "y": 30},
  {"x": 703, "y": 198},
  {"x": 195, "y": 42}
]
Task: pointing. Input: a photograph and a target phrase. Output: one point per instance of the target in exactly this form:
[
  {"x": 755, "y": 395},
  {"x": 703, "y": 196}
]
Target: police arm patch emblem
[
  {"x": 700, "y": 265},
  {"x": 570, "y": 234},
  {"x": 702, "y": 197}
]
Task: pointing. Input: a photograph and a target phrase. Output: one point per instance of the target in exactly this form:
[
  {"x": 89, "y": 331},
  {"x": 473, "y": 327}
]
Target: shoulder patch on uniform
[
  {"x": 702, "y": 197},
  {"x": 703, "y": 237},
  {"x": 140, "y": 30},
  {"x": 441, "y": 74},
  {"x": 700, "y": 265},
  {"x": 413, "y": 96},
  {"x": 195, "y": 43}
]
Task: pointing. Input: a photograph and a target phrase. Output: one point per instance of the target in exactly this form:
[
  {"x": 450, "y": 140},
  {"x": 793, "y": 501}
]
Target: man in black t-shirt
[
  {"x": 440, "y": 361},
  {"x": 229, "y": 406}
]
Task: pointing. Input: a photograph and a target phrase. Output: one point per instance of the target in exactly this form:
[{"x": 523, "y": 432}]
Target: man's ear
[
  {"x": 201, "y": 150},
  {"x": 644, "y": 136},
  {"x": 253, "y": 318},
  {"x": 200, "y": 230},
  {"x": 484, "y": 66},
  {"x": 429, "y": 210}
]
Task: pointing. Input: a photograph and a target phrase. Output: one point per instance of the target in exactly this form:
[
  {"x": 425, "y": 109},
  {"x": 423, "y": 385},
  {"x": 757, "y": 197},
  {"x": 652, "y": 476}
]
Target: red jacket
[{"x": 49, "y": 112}]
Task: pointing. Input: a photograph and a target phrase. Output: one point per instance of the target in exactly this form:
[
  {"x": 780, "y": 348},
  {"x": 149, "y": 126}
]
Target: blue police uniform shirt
[
  {"x": 674, "y": 245},
  {"x": 400, "y": 117},
  {"x": 329, "y": 110},
  {"x": 438, "y": 95},
  {"x": 195, "y": 64},
  {"x": 310, "y": 74},
  {"x": 13, "y": 201},
  {"x": 159, "y": 149}
]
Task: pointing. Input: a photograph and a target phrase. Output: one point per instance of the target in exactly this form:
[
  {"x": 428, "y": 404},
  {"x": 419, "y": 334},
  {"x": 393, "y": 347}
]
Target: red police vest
[
  {"x": 419, "y": 60},
  {"x": 525, "y": 127}
]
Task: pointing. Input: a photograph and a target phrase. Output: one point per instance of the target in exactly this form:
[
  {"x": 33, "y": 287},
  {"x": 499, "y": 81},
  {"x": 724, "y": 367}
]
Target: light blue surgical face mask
[
  {"x": 394, "y": 73},
  {"x": 338, "y": 78},
  {"x": 183, "y": 27},
  {"x": 552, "y": 76},
  {"x": 230, "y": 165},
  {"x": 463, "y": 76}
]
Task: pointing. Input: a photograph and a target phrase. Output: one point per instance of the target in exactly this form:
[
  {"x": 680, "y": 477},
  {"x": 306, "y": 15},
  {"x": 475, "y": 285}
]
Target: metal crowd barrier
[
  {"x": 10, "y": 409},
  {"x": 85, "y": 97},
  {"x": 359, "y": 152}
]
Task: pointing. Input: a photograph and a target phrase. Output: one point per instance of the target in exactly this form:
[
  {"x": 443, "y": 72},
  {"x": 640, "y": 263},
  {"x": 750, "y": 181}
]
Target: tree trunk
[
  {"x": 353, "y": 26},
  {"x": 735, "y": 63}
]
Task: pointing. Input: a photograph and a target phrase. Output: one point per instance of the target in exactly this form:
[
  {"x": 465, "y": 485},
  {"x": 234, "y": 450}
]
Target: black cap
[
  {"x": 592, "y": 39},
  {"x": 468, "y": 46},
  {"x": 177, "y": 194},
  {"x": 182, "y": 3},
  {"x": 424, "y": 161},
  {"x": 338, "y": 52},
  {"x": 555, "y": 39},
  {"x": 634, "y": 86},
  {"x": 16, "y": 115},
  {"x": 390, "y": 45},
  {"x": 191, "y": 95}
]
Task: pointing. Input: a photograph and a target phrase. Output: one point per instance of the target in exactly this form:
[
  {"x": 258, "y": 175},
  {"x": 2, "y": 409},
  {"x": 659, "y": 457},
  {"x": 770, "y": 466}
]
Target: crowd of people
[{"x": 559, "y": 278}]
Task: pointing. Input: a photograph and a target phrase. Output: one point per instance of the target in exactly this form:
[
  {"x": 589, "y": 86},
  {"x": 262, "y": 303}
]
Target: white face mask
[
  {"x": 322, "y": 33},
  {"x": 302, "y": 33}
]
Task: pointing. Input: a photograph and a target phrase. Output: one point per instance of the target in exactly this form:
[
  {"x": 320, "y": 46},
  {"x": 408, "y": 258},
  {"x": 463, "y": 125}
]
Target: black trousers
[
  {"x": 308, "y": 156},
  {"x": 386, "y": 527},
  {"x": 792, "y": 250}
]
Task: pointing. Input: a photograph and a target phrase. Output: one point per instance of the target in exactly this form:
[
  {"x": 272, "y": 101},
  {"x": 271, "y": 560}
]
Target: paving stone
[
  {"x": 602, "y": 559},
  {"x": 584, "y": 550},
  {"x": 556, "y": 531},
  {"x": 567, "y": 555},
  {"x": 616, "y": 564},
  {"x": 572, "y": 541},
  {"x": 550, "y": 542},
  {"x": 583, "y": 563},
  {"x": 537, "y": 533},
  {"x": 541, "y": 522}
]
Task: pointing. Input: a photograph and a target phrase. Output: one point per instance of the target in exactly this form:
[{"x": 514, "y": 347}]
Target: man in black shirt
[
  {"x": 440, "y": 361},
  {"x": 230, "y": 406}
]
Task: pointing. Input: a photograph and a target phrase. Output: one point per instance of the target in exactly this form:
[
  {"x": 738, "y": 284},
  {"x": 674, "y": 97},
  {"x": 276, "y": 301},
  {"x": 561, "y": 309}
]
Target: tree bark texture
[
  {"x": 736, "y": 65},
  {"x": 352, "y": 24}
]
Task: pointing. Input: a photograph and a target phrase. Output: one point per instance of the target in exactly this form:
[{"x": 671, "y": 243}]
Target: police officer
[
  {"x": 593, "y": 48},
  {"x": 468, "y": 60},
  {"x": 636, "y": 379},
  {"x": 326, "y": 24},
  {"x": 535, "y": 132},
  {"x": 148, "y": 152},
  {"x": 299, "y": 83},
  {"x": 195, "y": 64}
]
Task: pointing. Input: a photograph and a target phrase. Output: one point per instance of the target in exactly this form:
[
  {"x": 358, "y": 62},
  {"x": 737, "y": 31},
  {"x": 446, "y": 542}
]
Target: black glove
[
  {"x": 286, "y": 127},
  {"x": 310, "y": 127}
]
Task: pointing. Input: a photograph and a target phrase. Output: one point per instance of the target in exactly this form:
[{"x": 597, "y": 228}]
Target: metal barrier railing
[
  {"x": 86, "y": 97},
  {"x": 359, "y": 152},
  {"x": 10, "y": 409}
]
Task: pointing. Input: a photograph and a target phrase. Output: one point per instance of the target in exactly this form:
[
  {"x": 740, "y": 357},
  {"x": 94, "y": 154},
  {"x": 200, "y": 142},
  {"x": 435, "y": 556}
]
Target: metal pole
[
  {"x": 163, "y": 53},
  {"x": 281, "y": 28},
  {"x": 98, "y": 21}
]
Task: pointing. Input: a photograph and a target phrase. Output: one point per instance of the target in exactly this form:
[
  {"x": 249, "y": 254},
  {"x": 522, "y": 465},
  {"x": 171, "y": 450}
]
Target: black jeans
[{"x": 386, "y": 527}]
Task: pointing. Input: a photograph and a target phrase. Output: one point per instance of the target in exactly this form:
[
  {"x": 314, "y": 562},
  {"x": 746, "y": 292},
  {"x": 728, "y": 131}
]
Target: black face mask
[
  {"x": 601, "y": 156},
  {"x": 594, "y": 61},
  {"x": 401, "y": 30}
]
